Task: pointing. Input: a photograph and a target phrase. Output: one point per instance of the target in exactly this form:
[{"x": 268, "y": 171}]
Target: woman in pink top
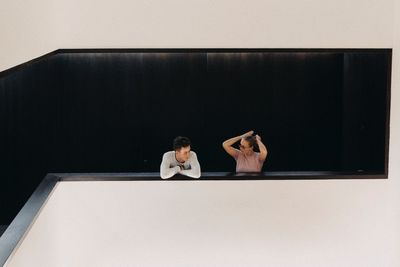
[{"x": 247, "y": 160}]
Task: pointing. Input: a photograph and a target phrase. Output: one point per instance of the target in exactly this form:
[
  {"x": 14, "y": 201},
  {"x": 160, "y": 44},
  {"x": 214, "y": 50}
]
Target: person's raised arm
[
  {"x": 262, "y": 147},
  {"x": 227, "y": 145},
  {"x": 194, "y": 171},
  {"x": 165, "y": 170}
]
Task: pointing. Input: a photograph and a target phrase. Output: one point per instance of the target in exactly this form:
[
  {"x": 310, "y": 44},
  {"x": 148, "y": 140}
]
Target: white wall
[
  {"x": 368, "y": 210},
  {"x": 213, "y": 223},
  {"x": 32, "y": 28},
  {"x": 27, "y": 31},
  {"x": 223, "y": 23}
]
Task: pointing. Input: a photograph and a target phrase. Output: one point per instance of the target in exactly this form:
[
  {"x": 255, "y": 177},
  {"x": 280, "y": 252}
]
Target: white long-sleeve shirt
[{"x": 170, "y": 166}]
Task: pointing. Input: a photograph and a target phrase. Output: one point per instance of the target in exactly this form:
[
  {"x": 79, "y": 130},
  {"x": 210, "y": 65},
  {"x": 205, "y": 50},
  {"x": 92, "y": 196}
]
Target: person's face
[
  {"x": 182, "y": 154},
  {"x": 245, "y": 147}
]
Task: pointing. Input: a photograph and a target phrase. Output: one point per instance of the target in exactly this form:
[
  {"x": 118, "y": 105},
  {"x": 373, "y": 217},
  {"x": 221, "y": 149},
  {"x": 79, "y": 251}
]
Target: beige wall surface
[
  {"x": 213, "y": 223},
  {"x": 358, "y": 219},
  {"x": 32, "y": 28},
  {"x": 27, "y": 31}
]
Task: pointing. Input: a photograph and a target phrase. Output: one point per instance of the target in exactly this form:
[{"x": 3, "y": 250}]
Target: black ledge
[
  {"x": 21, "y": 223},
  {"x": 189, "y": 50},
  {"x": 224, "y": 176},
  {"x": 25, "y": 218}
]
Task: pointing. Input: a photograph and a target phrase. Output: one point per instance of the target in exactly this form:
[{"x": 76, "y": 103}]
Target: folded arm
[
  {"x": 165, "y": 170},
  {"x": 228, "y": 144},
  {"x": 194, "y": 171},
  {"x": 262, "y": 147}
]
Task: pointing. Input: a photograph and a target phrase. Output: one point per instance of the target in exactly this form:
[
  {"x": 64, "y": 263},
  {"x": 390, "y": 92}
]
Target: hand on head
[{"x": 249, "y": 133}]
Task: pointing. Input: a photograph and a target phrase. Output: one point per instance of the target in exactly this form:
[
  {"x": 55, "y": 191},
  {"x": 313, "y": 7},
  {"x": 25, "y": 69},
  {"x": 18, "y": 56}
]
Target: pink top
[{"x": 248, "y": 163}]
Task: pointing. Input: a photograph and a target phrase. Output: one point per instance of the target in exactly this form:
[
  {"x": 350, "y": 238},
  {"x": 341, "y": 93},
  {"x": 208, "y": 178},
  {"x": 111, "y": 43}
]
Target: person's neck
[{"x": 179, "y": 160}]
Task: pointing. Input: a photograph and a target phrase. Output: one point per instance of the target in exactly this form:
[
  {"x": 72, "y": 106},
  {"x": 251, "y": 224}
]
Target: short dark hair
[{"x": 180, "y": 142}]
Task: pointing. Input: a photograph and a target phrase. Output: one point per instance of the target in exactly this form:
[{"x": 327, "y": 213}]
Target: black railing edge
[
  {"x": 23, "y": 65},
  {"x": 222, "y": 176},
  {"x": 20, "y": 225},
  {"x": 20, "y": 66}
]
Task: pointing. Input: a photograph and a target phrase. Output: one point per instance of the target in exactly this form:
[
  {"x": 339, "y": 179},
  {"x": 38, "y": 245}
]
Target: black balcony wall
[{"x": 118, "y": 111}]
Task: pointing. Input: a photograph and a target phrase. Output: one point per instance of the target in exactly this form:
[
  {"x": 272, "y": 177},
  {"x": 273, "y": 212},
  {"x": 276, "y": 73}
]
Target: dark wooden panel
[{"x": 317, "y": 110}]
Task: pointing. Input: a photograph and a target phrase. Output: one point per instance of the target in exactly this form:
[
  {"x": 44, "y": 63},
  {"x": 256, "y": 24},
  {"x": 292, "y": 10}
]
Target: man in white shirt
[{"x": 181, "y": 160}]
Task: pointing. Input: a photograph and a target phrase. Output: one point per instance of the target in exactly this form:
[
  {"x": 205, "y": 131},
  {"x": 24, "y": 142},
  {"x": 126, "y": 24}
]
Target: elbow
[
  {"x": 164, "y": 175},
  {"x": 225, "y": 145},
  {"x": 194, "y": 173},
  {"x": 196, "y": 176}
]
